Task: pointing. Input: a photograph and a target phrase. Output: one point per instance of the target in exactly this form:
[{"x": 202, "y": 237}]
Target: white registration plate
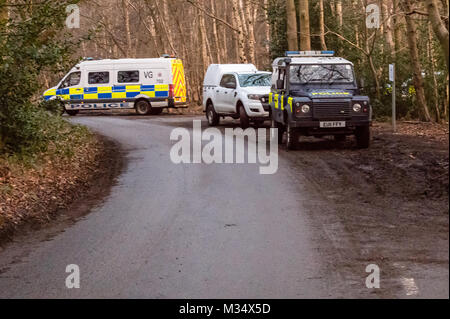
[{"x": 332, "y": 124}]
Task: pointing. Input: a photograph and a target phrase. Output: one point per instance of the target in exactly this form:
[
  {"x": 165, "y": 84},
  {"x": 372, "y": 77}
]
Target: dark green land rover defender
[{"x": 316, "y": 94}]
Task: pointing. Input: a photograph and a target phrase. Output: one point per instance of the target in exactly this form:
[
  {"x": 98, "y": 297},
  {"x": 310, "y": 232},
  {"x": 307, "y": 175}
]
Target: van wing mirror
[{"x": 280, "y": 85}]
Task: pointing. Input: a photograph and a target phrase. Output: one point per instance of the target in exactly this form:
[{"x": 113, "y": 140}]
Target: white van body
[
  {"x": 226, "y": 101},
  {"x": 122, "y": 83}
]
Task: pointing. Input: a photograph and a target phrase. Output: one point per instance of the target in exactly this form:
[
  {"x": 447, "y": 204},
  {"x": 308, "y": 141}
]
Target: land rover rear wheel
[
  {"x": 292, "y": 137},
  {"x": 211, "y": 115},
  {"x": 362, "y": 136},
  {"x": 143, "y": 107}
]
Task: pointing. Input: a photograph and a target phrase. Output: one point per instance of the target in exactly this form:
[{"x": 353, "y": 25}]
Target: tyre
[
  {"x": 340, "y": 137},
  {"x": 259, "y": 123},
  {"x": 362, "y": 136},
  {"x": 143, "y": 107},
  {"x": 72, "y": 112},
  {"x": 245, "y": 120},
  {"x": 156, "y": 111},
  {"x": 212, "y": 116},
  {"x": 292, "y": 136},
  {"x": 281, "y": 130}
]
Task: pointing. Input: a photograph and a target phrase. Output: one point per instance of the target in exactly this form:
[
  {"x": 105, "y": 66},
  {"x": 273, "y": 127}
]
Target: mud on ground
[{"x": 387, "y": 205}]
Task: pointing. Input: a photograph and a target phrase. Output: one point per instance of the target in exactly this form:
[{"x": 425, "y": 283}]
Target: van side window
[
  {"x": 71, "y": 80},
  {"x": 128, "y": 77},
  {"x": 227, "y": 78},
  {"x": 98, "y": 77}
]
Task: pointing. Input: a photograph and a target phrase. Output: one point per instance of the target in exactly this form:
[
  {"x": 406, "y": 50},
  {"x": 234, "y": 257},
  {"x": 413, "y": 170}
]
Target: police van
[
  {"x": 147, "y": 85},
  {"x": 314, "y": 93}
]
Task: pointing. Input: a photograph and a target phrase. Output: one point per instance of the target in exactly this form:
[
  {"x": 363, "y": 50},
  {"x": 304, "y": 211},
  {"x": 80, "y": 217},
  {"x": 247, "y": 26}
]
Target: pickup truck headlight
[
  {"x": 253, "y": 97},
  {"x": 357, "y": 107}
]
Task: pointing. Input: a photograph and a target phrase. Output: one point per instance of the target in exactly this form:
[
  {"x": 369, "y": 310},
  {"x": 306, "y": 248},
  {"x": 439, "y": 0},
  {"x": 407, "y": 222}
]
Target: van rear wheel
[
  {"x": 142, "y": 107},
  {"x": 72, "y": 112},
  {"x": 156, "y": 111}
]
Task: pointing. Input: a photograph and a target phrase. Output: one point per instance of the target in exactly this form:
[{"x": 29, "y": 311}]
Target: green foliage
[
  {"x": 31, "y": 40},
  {"x": 276, "y": 13}
]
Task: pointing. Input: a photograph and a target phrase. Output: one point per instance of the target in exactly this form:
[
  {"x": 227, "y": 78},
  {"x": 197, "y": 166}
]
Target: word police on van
[{"x": 147, "y": 85}]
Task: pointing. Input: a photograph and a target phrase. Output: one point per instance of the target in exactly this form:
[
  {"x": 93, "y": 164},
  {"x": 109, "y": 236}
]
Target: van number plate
[{"x": 332, "y": 124}]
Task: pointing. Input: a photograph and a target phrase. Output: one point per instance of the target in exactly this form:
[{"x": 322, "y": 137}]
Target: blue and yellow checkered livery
[{"x": 160, "y": 91}]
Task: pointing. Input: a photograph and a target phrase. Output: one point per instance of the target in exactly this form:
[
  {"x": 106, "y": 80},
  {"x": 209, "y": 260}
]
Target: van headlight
[
  {"x": 357, "y": 107},
  {"x": 253, "y": 97}
]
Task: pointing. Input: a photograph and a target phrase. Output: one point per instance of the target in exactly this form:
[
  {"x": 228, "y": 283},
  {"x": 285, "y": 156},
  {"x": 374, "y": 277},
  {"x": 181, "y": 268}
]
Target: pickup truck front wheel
[
  {"x": 212, "y": 116},
  {"x": 362, "y": 136},
  {"x": 245, "y": 120}
]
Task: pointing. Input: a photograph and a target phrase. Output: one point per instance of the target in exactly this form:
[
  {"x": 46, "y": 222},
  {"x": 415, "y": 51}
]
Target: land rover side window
[
  {"x": 321, "y": 73},
  {"x": 128, "y": 77},
  {"x": 71, "y": 80},
  {"x": 98, "y": 77},
  {"x": 228, "y": 78}
]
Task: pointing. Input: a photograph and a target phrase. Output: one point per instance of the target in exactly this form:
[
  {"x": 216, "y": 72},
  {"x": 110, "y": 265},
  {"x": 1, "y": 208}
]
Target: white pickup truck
[{"x": 236, "y": 90}]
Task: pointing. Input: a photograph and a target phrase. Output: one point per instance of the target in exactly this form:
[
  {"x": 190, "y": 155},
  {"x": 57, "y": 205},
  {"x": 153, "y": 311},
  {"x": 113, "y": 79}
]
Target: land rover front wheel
[
  {"x": 211, "y": 115},
  {"x": 362, "y": 136},
  {"x": 292, "y": 137},
  {"x": 280, "y": 127},
  {"x": 143, "y": 107}
]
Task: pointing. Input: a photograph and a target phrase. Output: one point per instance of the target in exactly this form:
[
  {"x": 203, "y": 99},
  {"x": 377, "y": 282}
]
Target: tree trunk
[
  {"x": 291, "y": 17},
  {"x": 237, "y": 23},
  {"x": 387, "y": 27},
  {"x": 251, "y": 31},
  {"x": 126, "y": 15},
  {"x": 415, "y": 60},
  {"x": 323, "y": 44},
  {"x": 438, "y": 27},
  {"x": 305, "y": 34}
]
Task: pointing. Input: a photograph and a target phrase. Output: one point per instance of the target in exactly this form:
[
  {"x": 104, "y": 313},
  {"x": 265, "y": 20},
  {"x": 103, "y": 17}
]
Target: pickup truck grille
[{"x": 333, "y": 109}]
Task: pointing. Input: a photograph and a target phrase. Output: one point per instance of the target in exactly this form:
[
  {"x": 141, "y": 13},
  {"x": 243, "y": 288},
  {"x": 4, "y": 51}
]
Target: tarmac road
[{"x": 188, "y": 231}]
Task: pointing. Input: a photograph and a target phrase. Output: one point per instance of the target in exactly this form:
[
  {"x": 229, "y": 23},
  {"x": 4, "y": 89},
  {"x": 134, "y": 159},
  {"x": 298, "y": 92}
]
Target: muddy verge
[
  {"x": 60, "y": 190},
  {"x": 387, "y": 205}
]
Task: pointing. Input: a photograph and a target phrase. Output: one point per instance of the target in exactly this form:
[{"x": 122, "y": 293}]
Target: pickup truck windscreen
[
  {"x": 321, "y": 73},
  {"x": 254, "y": 79}
]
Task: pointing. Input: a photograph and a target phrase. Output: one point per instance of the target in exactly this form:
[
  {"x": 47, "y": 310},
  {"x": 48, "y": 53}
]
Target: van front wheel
[{"x": 143, "y": 107}]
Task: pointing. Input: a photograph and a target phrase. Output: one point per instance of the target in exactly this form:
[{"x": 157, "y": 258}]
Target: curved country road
[{"x": 188, "y": 231}]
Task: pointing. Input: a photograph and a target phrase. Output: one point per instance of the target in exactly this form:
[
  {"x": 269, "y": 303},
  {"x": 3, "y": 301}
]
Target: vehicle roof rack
[{"x": 309, "y": 53}]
